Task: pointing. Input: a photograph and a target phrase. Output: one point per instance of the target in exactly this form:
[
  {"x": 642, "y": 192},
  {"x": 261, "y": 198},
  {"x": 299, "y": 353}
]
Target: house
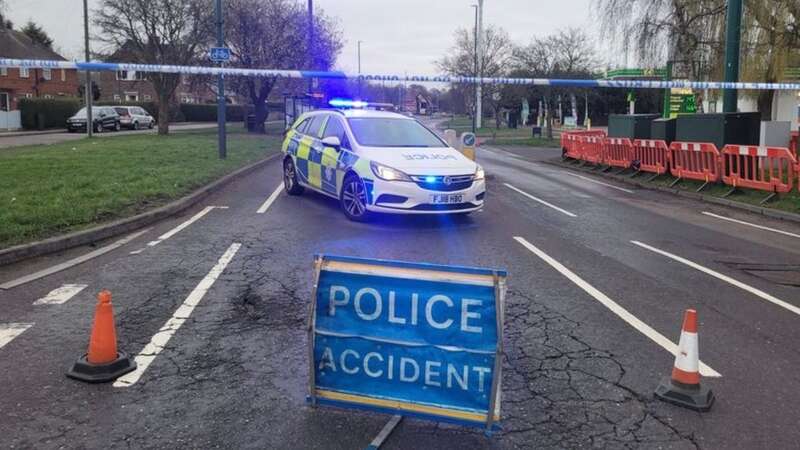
[{"x": 19, "y": 83}]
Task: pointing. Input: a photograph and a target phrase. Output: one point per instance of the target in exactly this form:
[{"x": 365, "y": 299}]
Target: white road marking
[
  {"x": 270, "y": 200},
  {"x": 165, "y": 333},
  {"x": 742, "y": 222},
  {"x": 599, "y": 182},
  {"x": 72, "y": 262},
  {"x": 180, "y": 227},
  {"x": 614, "y": 307},
  {"x": 725, "y": 278},
  {"x": 8, "y": 331},
  {"x": 60, "y": 295},
  {"x": 136, "y": 252},
  {"x": 563, "y": 211}
]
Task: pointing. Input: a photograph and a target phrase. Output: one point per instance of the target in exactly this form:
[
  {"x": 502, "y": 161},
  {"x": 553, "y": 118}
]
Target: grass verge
[
  {"x": 60, "y": 188},
  {"x": 784, "y": 202}
]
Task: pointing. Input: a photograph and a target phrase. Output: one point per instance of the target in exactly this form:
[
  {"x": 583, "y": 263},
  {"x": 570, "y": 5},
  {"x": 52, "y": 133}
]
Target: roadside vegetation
[
  {"x": 520, "y": 136},
  {"x": 55, "y": 189}
]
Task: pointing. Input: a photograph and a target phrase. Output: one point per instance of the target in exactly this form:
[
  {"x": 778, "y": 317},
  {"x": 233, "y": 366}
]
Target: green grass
[
  {"x": 785, "y": 202},
  {"x": 55, "y": 189},
  {"x": 499, "y": 136}
]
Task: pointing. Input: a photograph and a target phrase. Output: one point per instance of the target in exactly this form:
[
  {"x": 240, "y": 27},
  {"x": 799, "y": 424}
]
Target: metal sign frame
[{"x": 498, "y": 278}]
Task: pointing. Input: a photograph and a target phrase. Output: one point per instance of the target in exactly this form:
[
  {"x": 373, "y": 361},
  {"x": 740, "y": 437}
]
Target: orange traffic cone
[
  {"x": 103, "y": 362},
  {"x": 683, "y": 388}
]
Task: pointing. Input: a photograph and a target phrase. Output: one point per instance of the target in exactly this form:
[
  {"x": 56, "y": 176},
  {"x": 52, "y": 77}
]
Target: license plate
[{"x": 446, "y": 199}]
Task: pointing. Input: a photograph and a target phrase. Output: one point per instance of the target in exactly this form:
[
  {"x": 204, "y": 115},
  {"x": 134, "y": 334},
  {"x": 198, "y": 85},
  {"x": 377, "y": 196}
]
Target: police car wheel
[
  {"x": 354, "y": 199},
  {"x": 290, "y": 183}
]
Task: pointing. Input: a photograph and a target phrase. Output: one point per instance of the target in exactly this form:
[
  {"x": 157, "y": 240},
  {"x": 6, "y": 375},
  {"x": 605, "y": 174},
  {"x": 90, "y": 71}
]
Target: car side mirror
[{"x": 332, "y": 141}]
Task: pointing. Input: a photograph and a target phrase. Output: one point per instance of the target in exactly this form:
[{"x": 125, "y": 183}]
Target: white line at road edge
[
  {"x": 72, "y": 262},
  {"x": 563, "y": 211},
  {"x": 165, "y": 333},
  {"x": 270, "y": 200},
  {"x": 8, "y": 331},
  {"x": 180, "y": 227},
  {"x": 60, "y": 295},
  {"x": 725, "y": 278},
  {"x": 742, "y": 222},
  {"x": 621, "y": 312},
  {"x": 599, "y": 182}
]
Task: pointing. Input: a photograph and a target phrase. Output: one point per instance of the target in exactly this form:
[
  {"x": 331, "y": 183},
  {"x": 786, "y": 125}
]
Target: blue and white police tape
[{"x": 232, "y": 71}]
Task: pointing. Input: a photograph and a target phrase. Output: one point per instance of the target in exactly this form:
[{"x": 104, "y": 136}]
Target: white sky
[{"x": 398, "y": 35}]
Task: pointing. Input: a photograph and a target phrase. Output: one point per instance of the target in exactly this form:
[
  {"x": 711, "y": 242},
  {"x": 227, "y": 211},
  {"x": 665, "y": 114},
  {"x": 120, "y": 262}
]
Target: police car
[{"x": 378, "y": 161}]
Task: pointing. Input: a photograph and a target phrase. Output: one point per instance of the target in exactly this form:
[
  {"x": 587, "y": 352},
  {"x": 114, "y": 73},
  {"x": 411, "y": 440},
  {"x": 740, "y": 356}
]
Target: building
[{"x": 19, "y": 83}]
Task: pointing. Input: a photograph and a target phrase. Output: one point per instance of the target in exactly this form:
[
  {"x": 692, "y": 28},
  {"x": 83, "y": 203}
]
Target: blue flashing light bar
[
  {"x": 430, "y": 179},
  {"x": 345, "y": 103}
]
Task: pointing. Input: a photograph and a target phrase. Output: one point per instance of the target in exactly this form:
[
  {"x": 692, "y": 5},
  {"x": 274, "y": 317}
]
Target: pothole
[{"x": 783, "y": 274}]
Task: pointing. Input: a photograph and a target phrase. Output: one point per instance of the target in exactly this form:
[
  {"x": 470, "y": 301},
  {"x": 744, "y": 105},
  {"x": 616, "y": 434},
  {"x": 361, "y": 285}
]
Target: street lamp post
[
  {"x": 88, "y": 88},
  {"x": 475, "y": 109},
  {"x": 359, "y": 69},
  {"x": 310, "y": 43},
  {"x": 479, "y": 89},
  {"x": 221, "y": 132},
  {"x": 732, "y": 47}
]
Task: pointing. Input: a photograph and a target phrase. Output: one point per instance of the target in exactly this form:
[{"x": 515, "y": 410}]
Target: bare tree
[
  {"x": 273, "y": 34},
  {"x": 495, "y": 56},
  {"x": 156, "y": 32}
]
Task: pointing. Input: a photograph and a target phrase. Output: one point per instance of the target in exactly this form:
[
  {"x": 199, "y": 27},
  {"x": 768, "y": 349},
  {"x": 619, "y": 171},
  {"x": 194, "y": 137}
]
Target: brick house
[{"x": 19, "y": 83}]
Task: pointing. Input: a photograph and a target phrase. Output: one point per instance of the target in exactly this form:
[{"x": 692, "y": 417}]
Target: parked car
[
  {"x": 103, "y": 118},
  {"x": 134, "y": 117}
]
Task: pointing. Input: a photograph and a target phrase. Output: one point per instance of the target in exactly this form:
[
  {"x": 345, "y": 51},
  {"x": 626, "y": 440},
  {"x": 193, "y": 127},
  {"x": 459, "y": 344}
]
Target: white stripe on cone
[{"x": 688, "y": 357}]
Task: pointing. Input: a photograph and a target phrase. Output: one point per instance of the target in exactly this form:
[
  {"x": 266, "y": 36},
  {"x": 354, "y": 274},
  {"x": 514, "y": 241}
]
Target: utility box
[
  {"x": 775, "y": 134},
  {"x": 719, "y": 129},
  {"x": 631, "y": 126},
  {"x": 663, "y": 130}
]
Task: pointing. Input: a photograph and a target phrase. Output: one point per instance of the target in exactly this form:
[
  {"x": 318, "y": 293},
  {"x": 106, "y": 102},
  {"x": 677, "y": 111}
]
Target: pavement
[
  {"x": 17, "y": 139},
  {"x": 597, "y": 272}
]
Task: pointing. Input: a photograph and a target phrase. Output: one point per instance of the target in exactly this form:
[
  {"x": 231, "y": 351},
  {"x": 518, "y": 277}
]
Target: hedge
[
  {"x": 208, "y": 113},
  {"x": 42, "y": 113}
]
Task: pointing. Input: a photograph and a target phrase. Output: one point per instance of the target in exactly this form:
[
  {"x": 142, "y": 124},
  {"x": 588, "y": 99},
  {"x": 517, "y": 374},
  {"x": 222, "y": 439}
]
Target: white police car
[{"x": 377, "y": 161}]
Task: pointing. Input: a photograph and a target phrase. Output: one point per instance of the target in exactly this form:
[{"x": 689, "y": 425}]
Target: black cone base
[
  {"x": 100, "y": 373},
  {"x": 697, "y": 398}
]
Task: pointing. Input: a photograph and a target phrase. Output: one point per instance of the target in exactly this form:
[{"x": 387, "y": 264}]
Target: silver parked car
[{"x": 134, "y": 117}]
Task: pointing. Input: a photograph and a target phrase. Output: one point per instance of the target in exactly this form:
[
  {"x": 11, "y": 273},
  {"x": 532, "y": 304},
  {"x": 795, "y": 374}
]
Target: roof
[{"x": 17, "y": 45}]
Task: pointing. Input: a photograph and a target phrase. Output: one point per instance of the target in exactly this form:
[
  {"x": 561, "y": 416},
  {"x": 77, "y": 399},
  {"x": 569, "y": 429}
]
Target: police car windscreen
[{"x": 386, "y": 132}]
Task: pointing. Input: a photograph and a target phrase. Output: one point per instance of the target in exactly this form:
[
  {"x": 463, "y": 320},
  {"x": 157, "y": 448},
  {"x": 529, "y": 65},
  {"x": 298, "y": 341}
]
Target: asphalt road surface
[{"x": 578, "y": 371}]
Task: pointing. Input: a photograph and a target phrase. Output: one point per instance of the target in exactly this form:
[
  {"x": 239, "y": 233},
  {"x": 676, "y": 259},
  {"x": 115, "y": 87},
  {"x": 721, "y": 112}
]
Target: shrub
[{"x": 42, "y": 113}]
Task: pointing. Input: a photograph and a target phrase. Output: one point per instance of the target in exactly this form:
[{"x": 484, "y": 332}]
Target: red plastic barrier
[
  {"x": 618, "y": 152},
  {"x": 571, "y": 145},
  {"x": 793, "y": 143},
  {"x": 695, "y": 161},
  {"x": 770, "y": 169},
  {"x": 592, "y": 149},
  {"x": 653, "y": 156}
]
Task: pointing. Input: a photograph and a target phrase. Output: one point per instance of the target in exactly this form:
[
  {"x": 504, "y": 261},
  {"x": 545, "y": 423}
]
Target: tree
[
  {"x": 273, "y": 34},
  {"x": 496, "y": 54},
  {"x": 4, "y": 22},
  {"x": 157, "y": 32},
  {"x": 37, "y": 34}
]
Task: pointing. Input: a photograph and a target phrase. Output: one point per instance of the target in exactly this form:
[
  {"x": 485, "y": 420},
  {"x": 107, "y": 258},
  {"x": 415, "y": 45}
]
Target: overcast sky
[{"x": 398, "y": 35}]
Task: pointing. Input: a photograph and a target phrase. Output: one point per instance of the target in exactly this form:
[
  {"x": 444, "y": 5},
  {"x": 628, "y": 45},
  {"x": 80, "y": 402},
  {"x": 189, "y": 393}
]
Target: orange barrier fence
[
  {"x": 592, "y": 149},
  {"x": 764, "y": 168},
  {"x": 570, "y": 145},
  {"x": 652, "y": 155},
  {"x": 618, "y": 152},
  {"x": 695, "y": 161}
]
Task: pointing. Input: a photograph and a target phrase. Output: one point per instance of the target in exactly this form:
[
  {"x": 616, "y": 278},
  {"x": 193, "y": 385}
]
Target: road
[
  {"x": 578, "y": 371},
  {"x": 18, "y": 140}
]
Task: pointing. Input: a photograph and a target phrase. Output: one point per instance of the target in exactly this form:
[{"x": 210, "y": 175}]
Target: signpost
[
  {"x": 468, "y": 145},
  {"x": 405, "y": 338},
  {"x": 219, "y": 54}
]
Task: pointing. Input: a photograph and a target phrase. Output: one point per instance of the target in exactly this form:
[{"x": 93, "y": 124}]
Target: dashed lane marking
[
  {"x": 270, "y": 200},
  {"x": 746, "y": 287},
  {"x": 60, "y": 295},
  {"x": 180, "y": 227},
  {"x": 742, "y": 222},
  {"x": 165, "y": 333},
  {"x": 599, "y": 182},
  {"x": 613, "y": 306},
  {"x": 8, "y": 331},
  {"x": 72, "y": 262},
  {"x": 550, "y": 205}
]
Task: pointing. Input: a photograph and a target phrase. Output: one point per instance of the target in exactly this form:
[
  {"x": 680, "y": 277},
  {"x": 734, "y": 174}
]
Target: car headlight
[
  {"x": 479, "y": 174},
  {"x": 388, "y": 173}
]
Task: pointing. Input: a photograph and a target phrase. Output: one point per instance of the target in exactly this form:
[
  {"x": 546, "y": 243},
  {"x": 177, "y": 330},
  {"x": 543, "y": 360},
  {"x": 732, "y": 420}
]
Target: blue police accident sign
[
  {"x": 219, "y": 54},
  {"x": 407, "y": 338}
]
